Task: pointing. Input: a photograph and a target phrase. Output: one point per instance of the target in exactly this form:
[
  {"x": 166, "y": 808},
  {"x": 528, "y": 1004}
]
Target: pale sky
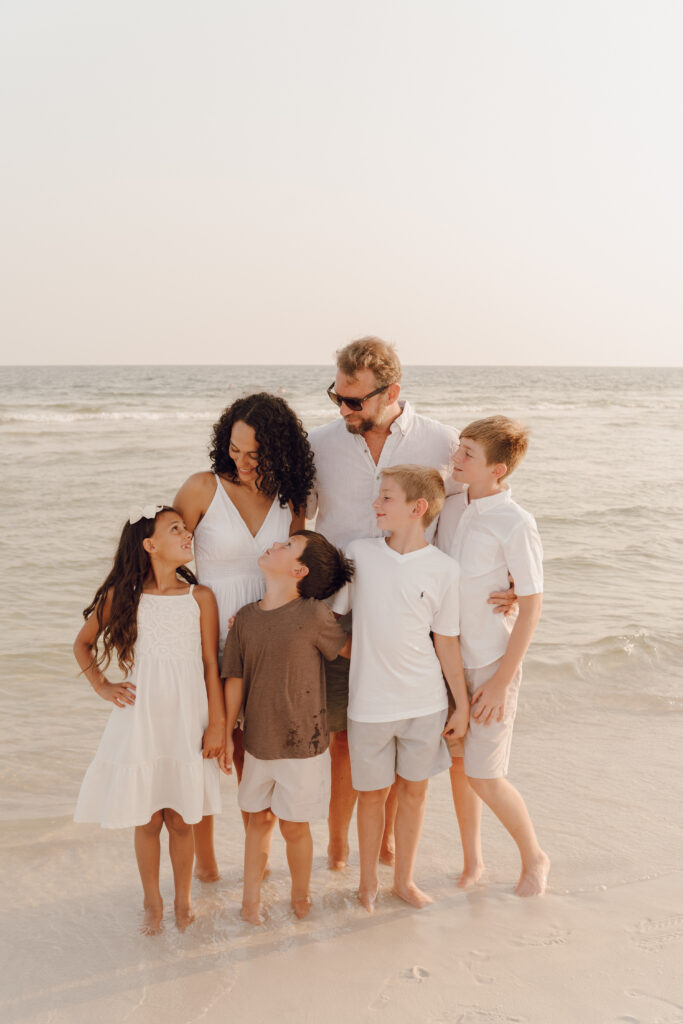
[{"x": 235, "y": 181}]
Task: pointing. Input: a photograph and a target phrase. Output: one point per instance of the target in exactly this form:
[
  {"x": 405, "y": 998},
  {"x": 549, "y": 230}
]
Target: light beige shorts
[
  {"x": 486, "y": 748},
  {"x": 413, "y": 748},
  {"x": 294, "y": 788}
]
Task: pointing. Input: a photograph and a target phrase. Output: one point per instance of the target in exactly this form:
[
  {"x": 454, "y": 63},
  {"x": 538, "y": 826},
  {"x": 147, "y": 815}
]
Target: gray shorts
[
  {"x": 413, "y": 748},
  {"x": 294, "y": 788},
  {"x": 486, "y": 748}
]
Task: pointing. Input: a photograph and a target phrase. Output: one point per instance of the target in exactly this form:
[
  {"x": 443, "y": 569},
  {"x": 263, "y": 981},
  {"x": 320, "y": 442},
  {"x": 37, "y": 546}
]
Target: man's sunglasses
[{"x": 355, "y": 404}]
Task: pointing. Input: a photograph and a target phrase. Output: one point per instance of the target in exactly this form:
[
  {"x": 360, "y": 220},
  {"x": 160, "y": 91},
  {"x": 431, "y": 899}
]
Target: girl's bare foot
[
  {"x": 184, "y": 915},
  {"x": 368, "y": 899},
  {"x": 207, "y": 872},
  {"x": 251, "y": 913},
  {"x": 301, "y": 906},
  {"x": 470, "y": 876},
  {"x": 152, "y": 919},
  {"x": 387, "y": 853},
  {"x": 412, "y": 895},
  {"x": 534, "y": 878},
  {"x": 337, "y": 857}
]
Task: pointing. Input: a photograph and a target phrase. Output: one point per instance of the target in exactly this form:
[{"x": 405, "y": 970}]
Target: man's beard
[{"x": 359, "y": 428}]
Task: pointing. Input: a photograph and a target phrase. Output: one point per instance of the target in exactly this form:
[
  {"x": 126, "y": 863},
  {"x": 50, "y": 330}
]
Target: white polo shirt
[
  {"x": 488, "y": 538},
  {"x": 397, "y": 600},
  {"x": 347, "y": 479}
]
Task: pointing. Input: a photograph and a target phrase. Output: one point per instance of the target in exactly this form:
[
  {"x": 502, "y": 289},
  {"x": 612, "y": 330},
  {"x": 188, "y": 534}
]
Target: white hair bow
[{"x": 138, "y": 512}]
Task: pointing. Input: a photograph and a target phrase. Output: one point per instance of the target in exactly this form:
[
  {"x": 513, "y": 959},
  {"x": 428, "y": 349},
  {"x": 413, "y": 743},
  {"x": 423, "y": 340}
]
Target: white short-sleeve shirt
[
  {"x": 348, "y": 479},
  {"x": 488, "y": 538},
  {"x": 397, "y": 600}
]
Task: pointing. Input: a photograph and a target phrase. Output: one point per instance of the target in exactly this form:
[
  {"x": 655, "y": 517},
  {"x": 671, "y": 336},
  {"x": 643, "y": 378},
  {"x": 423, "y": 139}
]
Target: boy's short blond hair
[
  {"x": 503, "y": 440},
  {"x": 420, "y": 482},
  {"x": 370, "y": 353}
]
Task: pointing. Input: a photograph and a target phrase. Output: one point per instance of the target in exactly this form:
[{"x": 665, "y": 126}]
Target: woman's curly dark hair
[
  {"x": 285, "y": 459},
  {"x": 128, "y": 573}
]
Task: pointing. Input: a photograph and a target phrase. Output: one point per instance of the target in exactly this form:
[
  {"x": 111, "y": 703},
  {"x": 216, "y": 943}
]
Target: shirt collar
[
  {"x": 405, "y": 421},
  {"x": 484, "y": 504}
]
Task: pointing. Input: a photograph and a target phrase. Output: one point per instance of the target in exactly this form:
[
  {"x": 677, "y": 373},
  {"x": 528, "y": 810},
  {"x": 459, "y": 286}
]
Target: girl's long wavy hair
[
  {"x": 130, "y": 568},
  {"x": 285, "y": 459}
]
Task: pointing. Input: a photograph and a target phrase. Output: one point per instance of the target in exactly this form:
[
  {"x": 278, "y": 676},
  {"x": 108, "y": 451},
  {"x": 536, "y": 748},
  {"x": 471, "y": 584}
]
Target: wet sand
[{"x": 603, "y": 946}]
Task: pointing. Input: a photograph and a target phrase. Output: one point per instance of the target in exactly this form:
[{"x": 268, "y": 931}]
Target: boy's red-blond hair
[
  {"x": 503, "y": 440},
  {"x": 420, "y": 482}
]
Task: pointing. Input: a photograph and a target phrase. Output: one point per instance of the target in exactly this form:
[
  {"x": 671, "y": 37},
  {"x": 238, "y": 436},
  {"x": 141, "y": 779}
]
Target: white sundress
[
  {"x": 150, "y": 755},
  {"x": 226, "y": 554}
]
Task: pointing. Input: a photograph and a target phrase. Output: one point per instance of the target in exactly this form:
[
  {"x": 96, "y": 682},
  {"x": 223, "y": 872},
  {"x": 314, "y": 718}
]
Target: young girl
[{"x": 151, "y": 766}]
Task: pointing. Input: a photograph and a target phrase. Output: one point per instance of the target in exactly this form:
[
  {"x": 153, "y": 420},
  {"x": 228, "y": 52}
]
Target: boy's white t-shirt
[
  {"x": 488, "y": 538},
  {"x": 397, "y": 600}
]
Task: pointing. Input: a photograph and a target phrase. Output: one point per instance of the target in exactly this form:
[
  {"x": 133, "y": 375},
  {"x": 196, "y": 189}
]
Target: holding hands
[{"x": 225, "y": 757}]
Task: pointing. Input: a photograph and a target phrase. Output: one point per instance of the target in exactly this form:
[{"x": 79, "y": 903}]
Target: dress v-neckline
[{"x": 233, "y": 506}]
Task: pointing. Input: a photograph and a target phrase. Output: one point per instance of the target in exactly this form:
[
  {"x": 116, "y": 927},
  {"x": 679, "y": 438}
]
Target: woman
[{"x": 261, "y": 474}]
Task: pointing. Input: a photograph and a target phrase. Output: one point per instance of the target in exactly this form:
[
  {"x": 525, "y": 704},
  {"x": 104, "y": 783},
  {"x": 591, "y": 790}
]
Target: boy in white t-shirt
[
  {"x": 489, "y": 536},
  {"x": 403, "y": 590}
]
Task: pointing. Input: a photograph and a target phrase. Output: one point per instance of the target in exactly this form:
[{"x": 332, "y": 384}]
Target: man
[{"x": 376, "y": 430}]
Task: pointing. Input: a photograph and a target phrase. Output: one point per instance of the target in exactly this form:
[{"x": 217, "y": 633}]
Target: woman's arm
[
  {"x": 84, "y": 652},
  {"x": 194, "y": 497},
  {"x": 214, "y": 735}
]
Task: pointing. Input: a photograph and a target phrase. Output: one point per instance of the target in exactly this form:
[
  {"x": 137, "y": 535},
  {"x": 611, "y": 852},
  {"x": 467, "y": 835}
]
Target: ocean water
[
  {"x": 81, "y": 444},
  {"x": 599, "y": 724}
]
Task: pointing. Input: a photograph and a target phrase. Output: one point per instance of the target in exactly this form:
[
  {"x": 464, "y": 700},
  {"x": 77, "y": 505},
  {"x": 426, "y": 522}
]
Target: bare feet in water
[
  {"x": 412, "y": 895},
  {"x": 387, "y": 853},
  {"x": 184, "y": 915},
  {"x": 152, "y": 919},
  {"x": 301, "y": 905},
  {"x": 337, "y": 857},
  {"x": 470, "y": 876},
  {"x": 534, "y": 878},
  {"x": 368, "y": 899},
  {"x": 207, "y": 872},
  {"x": 251, "y": 913}
]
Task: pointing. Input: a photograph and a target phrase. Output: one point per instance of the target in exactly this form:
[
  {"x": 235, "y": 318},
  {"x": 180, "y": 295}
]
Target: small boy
[
  {"x": 489, "y": 536},
  {"x": 273, "y": 662},
  {"x": 403, "y": 590}
]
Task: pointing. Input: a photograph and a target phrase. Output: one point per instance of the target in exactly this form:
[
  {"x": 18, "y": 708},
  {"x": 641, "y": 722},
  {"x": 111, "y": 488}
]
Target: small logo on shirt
[{"x": 422, "y": 594}]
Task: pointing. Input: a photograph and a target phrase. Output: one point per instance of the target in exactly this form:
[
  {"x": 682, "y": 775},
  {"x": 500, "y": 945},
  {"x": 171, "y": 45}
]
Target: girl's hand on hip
[{"x": 121, "y": 694}]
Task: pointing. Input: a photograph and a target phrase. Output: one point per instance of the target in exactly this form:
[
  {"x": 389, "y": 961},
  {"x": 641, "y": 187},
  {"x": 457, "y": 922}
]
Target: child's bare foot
[
  {"x": 412, "y": 895},
  {"x": 534, "y": 878},
  {"x": 301, "y": 905},
  {"x": 251, "y": 913},
  {"x": 387, "y": 853},
  {"x": 184, "y": 915},
  {"x": 207, "y": 872},
  {"x": 470, "y": 876},
  {"x": 152, "y": 919},
  {"x": 368, "y": 899},
  {"x": 337, "y": 857}
]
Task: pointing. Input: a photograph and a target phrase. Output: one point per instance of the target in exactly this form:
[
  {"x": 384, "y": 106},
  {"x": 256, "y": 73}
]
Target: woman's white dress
[
  {"x": 226, "y": 554},
  {"x": 150, "y": 755}
]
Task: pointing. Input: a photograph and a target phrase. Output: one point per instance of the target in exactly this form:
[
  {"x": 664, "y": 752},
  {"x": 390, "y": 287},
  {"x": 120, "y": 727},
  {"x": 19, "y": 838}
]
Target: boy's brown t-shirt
[{"x": 279, "y": 655}]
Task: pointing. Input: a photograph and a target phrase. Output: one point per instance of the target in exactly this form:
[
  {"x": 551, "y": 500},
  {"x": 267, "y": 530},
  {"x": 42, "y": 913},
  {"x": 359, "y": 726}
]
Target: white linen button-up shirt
[
  {"x": 347, "y": 478},
  {"x": 488, "y": 538}
]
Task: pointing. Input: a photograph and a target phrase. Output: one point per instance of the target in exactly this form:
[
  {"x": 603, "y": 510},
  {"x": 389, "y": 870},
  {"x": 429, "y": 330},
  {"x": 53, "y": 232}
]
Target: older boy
[
  {"x": 273, "y": 661},
  {"x": 490, "y": 536},
  {"x": 403, "y": 589}
]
